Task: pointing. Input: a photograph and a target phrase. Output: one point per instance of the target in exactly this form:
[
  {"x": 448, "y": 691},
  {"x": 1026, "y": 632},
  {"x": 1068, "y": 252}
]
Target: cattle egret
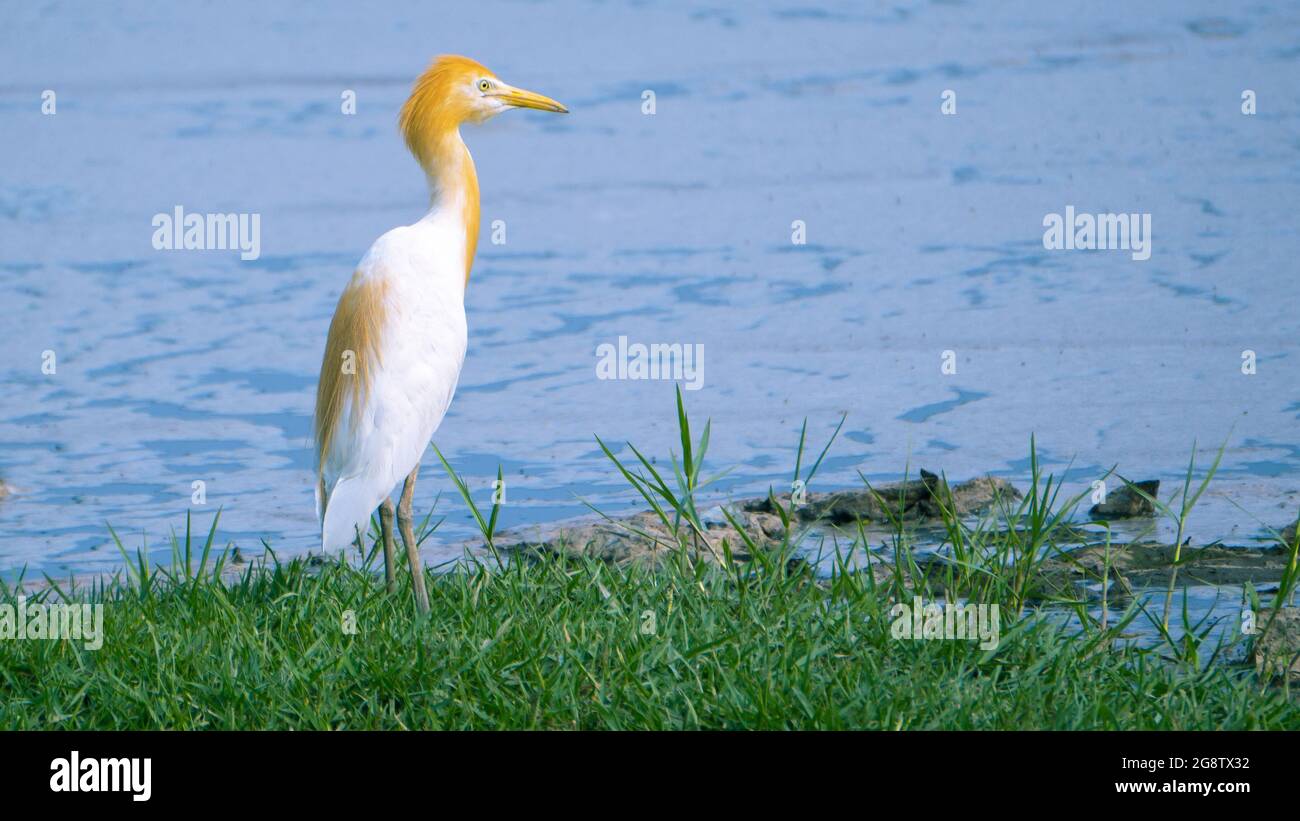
[{"x": 397, "y": 340}]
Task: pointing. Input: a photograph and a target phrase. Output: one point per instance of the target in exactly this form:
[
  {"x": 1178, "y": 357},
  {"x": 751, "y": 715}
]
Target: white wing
[{"x": 416, "y": 275}]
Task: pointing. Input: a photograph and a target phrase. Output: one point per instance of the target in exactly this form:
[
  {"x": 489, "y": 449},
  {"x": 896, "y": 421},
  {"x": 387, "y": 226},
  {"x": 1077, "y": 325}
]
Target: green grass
[
  {"x": 564, "y": 644},
  {"x": 554, "y": 642}
]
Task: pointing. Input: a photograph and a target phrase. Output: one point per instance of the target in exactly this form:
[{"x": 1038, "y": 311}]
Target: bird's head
[{"x": 456, "y": 90}]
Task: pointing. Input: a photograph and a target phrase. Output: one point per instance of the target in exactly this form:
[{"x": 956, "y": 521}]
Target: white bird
[{"x": 398, "y": 337}]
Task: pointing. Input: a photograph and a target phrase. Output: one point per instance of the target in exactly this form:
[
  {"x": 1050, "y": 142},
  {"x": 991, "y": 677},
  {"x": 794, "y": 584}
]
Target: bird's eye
[{"x": 484, "y": 85}]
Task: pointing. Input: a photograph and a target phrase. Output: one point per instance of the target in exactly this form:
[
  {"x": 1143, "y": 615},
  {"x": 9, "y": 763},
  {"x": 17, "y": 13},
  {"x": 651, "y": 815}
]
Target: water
[{"x": 924, "y": 234}]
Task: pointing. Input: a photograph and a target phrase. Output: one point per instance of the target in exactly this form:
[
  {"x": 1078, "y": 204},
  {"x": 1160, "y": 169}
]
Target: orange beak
[{"x": 519, "y": 98}]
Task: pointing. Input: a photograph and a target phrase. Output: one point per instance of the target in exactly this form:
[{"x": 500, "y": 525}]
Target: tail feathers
[{"x": 347, "y": 510}]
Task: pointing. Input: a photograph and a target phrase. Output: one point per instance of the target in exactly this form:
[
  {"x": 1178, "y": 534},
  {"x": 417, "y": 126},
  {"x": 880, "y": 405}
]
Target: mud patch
[{"x": 1277, "y": 650}]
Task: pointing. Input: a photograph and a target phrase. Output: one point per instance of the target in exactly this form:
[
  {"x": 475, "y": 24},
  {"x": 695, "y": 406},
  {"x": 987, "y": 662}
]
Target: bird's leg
[
  {"x": 386, "y": 511},
  {"x": 408, "y": 538}
]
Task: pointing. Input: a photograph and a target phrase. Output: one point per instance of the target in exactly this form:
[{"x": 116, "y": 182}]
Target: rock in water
[
  {"x": 984, "y": 493},
  {"x": 1125, "y": 501},
  {"x": 1288, "y": 532},
  {"x": 1277, "y": 650},
  {"x": 912, "y": 500},
  {"x": 643, "y": 539}
]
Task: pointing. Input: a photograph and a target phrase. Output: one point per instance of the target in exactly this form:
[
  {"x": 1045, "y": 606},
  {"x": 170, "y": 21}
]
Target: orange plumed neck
[{"x": 430, "y": 123}]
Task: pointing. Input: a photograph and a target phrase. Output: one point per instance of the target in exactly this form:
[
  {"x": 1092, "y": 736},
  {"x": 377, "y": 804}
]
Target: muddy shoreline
[
  {"x": 642, "y": 538},
  {"x": 1084, "y": 565}
]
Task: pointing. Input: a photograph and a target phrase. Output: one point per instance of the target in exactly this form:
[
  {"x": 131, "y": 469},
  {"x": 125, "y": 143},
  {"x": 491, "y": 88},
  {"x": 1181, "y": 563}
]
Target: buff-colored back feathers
[{"x": 351, "y": 351}]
